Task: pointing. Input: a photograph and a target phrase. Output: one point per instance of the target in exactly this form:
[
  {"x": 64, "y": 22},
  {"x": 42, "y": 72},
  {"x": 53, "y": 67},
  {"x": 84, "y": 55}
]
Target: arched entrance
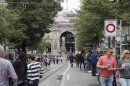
[
  {"x": 48, "y": 47},
  {"x": 67, "y": 42}
]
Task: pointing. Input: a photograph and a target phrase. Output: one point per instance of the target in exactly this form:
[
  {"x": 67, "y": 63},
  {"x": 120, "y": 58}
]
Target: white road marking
[
  {"x": 66, "y": 70},
  {"x": 68, "y": 77}
]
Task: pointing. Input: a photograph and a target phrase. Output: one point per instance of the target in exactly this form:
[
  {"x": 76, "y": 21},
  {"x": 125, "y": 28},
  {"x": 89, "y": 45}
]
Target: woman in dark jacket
[
  {"x": 20, "y": 66},
  {"x": 81, "y": 60}
]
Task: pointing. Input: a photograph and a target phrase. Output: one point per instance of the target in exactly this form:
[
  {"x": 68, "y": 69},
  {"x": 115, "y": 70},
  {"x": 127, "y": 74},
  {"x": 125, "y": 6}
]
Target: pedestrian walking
[
  {"x": 48, "y": 60},
  {"x": 44, "y": 61},
  {"x": 77, "y": 59},
  {"x": 117, "y": 57},
  {"x": 34, "y": 71},
  {"x": 20, "y": 67},
  {"x": 82, "y": 59},
  {"x": 94, "y": 58},
  {"x": 6, "y": 70},
  {"x": 107, "y": 65},
  {"x": 61, "y": 58},
  {"x": 57, "y": 59},
  {"x": 71, "y": 57},
  {"x": 54, "y": 59},
  {"x": 124, "y": 68},
  {"x": 89, "y": 61}
]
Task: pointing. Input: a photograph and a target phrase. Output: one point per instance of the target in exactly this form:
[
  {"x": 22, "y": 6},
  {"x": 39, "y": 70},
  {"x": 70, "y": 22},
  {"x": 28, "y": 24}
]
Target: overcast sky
[{"x": 72, "y": 4}]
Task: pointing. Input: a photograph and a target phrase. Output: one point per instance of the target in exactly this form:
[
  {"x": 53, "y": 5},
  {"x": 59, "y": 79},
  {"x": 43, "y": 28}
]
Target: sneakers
[
  {"x": 97, "y": 74},
  {"x": 89, "y": 71}
]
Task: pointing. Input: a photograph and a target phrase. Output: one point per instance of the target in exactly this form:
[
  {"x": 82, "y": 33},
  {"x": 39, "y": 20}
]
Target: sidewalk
[{"x": 75, "y": 77}]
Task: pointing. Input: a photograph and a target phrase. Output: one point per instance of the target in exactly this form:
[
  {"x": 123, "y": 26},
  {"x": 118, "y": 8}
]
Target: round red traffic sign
[{"x": 110, "y": 30}]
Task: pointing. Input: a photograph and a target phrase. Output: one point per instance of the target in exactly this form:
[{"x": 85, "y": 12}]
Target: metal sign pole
[{"x": 120, "y": 37}]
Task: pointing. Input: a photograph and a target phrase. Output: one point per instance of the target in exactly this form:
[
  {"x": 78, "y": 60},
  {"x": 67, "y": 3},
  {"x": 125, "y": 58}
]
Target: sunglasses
[
  {"x": 127, "y": 53},
  {"x": 111, "y": 52}
]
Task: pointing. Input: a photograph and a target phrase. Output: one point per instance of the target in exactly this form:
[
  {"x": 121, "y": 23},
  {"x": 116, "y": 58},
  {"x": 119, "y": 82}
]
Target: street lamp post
[{"x": 120, "y": 36}]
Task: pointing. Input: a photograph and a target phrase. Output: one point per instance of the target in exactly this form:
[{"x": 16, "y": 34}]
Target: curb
[{"x": 62, "y": 77}]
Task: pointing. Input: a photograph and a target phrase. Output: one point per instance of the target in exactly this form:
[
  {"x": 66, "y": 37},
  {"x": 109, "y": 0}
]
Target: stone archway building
[
  {"x": 61, "y": 25},
  {"x": 54, "y": 36}
]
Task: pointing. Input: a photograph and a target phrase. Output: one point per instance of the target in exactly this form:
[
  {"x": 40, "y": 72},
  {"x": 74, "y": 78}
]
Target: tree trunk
[
  {"x": 97, "y": 39},
  {"x": 23, "y": 47},
  {"x": 18, "y": 49}
]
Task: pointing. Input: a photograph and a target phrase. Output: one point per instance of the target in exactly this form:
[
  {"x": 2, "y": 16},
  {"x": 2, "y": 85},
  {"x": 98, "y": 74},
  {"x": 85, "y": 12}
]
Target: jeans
[
  {"x": 77, "y": 62},
  {"x": 124, "y": 82},
  {"x": 106, "y": 81},
  {"x": 93, "y": 69},
  {"x": 80, "y": 65},
  {"x": 35, "y": 84},
  {"x": 89, "y": 66},
  {"x": 71, "y": 62},
  {"x": 18, "y": 82}
]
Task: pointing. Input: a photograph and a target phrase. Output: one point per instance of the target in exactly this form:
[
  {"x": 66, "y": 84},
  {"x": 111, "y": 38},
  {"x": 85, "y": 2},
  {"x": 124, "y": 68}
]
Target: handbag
[
  {"x": 85, "y": 61},
  {"x": 22, "y": 84},
  {"x": 11, "y": 83}
]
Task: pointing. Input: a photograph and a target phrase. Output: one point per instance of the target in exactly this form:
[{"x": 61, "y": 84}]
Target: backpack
[
  {"x": 89, "y": 57},
  {"x": 84, "y": 56}
]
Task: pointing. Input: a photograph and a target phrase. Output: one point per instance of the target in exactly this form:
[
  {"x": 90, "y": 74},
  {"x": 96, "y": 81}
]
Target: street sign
[{"x": 110, "y": 28}]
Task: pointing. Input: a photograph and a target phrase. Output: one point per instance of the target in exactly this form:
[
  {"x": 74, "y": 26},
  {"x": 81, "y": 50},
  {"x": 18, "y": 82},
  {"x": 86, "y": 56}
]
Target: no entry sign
[{"x": 110, "y": 28}]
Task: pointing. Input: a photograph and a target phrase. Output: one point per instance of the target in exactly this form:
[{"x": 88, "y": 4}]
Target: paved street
[
  {"x": 75, "y": 77},
  {"x": 72, "y": 76},
  {"x": 50, "y": 77}
]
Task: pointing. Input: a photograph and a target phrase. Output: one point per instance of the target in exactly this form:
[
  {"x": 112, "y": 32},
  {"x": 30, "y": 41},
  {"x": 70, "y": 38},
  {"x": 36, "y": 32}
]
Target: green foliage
[
  {"x": 33, "y": 18},
  {"x": 8, "y": 21},
  {"x": 90, "y": 19},
  {"x": 3, "y": 23},
  {"x": 43, "y": 45}
]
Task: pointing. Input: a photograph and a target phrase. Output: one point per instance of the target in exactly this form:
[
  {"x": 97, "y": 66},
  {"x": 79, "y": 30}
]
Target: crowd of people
[
  {"x": 87, "y": 59},
  {"x": 112, "y": 70},
  {"x": 26, "y": 70},
  {"x": 48, "y": 59}
]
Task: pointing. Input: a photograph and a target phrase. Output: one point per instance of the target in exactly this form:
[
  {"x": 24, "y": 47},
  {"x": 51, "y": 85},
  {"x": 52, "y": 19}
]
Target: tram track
[{"x": 53, "y": 70}]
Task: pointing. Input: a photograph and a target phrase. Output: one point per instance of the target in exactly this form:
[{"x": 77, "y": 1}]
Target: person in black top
[
  {"x": 71, "y": 57},
  {"x": 77, "y": 59},
  {"x": 20, "y": 66},
  {"x": 82, "y": 59}
]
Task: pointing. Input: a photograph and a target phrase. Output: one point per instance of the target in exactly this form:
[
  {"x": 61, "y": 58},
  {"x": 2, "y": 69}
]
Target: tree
[
  {"x": 90, "y": 20},
  {"x": 43, "y": 45},
  {"x": 7, "y": 21},
  {"x": 3, "y": 23},
  {"x": 35, "y": 17}
]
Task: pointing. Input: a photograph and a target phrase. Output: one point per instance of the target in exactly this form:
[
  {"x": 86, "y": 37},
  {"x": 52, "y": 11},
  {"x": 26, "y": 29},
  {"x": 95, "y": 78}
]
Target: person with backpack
[
  {"x": 20, "y": 67},
  {"x": 89, "y": 61}
]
